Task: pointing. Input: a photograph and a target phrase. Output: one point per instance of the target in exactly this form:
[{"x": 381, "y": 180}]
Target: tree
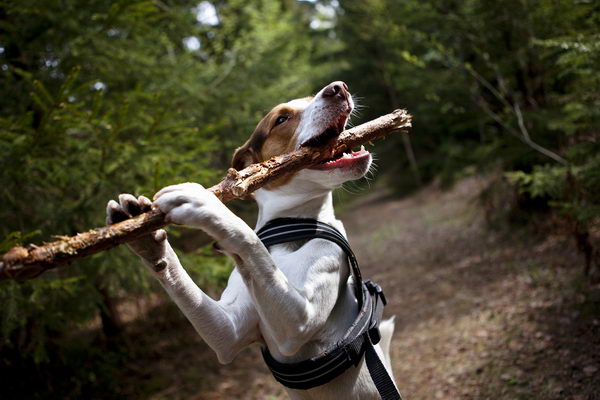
[
  {"x": 105, "y": 97},
  {"x": 494, "y": 84}
]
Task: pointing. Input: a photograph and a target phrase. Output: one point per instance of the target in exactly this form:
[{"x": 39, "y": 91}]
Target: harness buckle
[
  {"x": 354, "y": 352},
  {"x": 375, "y": 289}
]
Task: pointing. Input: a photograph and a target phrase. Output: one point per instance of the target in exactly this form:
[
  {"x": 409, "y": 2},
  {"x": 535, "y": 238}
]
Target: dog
[{"x": 295, "y": 298}]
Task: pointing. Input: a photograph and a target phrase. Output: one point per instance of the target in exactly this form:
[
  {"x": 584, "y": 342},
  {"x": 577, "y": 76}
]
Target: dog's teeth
[{"x": 362, "y": 147}]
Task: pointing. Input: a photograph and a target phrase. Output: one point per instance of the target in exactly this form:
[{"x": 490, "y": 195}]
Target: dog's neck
[{"x": 280, "y": 203}]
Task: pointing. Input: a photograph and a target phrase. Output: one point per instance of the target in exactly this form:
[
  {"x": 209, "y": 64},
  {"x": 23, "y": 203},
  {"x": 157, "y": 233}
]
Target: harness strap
[
  {"x": 283, "y": 230},
  {"x": 360, "y": 338}
]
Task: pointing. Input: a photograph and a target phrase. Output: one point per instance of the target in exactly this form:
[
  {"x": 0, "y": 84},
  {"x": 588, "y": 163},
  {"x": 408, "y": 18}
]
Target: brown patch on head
[
  {"x": 274, "y": 135},
  {"x": 281, "y": 124}
]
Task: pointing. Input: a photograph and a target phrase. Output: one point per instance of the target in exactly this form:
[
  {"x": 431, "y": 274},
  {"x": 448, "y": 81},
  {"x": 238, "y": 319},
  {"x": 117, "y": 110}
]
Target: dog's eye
[{"x": 281, "y": 120}]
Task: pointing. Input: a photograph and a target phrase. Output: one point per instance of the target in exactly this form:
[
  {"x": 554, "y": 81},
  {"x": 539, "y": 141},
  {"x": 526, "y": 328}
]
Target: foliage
[
  {"x": 509, "y": 84},
  {"x": 105, "y": 97},
  {"x": 469, "y": 71}
]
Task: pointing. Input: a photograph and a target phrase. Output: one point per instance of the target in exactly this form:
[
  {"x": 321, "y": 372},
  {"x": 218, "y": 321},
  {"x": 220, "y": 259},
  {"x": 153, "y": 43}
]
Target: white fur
[
  {"x": 318, "y": 114},
  {"x": 296, "y": 301}
]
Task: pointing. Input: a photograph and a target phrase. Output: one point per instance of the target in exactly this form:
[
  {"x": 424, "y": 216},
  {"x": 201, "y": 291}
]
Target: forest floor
[{"x": 480, "y": 313}]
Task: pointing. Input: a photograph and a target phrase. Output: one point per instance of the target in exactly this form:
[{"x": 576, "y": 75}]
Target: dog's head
[{"x": 311, "y": 121}]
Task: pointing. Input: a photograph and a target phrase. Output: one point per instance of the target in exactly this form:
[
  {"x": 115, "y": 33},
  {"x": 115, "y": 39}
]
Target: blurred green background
[{"x": 102, "y": 97}]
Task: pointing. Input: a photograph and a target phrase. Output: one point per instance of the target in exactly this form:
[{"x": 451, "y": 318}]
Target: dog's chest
[{"x": 305, "y": 260}]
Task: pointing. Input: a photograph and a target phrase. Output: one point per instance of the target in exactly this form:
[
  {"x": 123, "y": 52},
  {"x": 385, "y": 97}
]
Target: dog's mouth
[
  {"x": 332, "y": 132},
  {"x": 342, "y": 159}
]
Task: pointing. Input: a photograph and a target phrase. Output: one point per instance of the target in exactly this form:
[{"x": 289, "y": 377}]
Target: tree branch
[
  {"x": 525, "y": 138},
  {"x": 21, "y": 263}
]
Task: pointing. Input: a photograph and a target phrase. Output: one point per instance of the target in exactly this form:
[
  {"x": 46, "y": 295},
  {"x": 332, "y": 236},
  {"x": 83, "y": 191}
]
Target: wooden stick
[{"x": 21, "y": 263}]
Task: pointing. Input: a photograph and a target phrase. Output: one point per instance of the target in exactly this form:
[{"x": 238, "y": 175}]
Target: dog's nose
[{"x": 337, "y": 88}]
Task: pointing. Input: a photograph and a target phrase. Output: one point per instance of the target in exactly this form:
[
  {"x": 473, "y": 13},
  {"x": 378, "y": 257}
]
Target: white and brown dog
[{"x": 296, "y": 299}]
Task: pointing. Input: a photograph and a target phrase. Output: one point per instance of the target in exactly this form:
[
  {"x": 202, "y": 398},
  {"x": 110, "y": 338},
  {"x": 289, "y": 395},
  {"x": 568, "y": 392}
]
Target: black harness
[{"x": 360, "y": 337}]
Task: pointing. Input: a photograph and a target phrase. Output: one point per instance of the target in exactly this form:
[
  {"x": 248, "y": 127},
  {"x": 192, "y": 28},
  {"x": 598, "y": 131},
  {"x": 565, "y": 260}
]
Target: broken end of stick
[
  {"x": 14, "y": 255},
  {"x": 20, "y": 272},
  {"x": 403, "y": 117},
  {"x": 9, "y": 266}
]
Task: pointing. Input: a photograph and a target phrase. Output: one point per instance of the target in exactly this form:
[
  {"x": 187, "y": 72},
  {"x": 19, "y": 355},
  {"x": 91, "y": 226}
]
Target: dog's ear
[
  {"x": 249, "y": 152},
  {"x": 243, "y": 156}
]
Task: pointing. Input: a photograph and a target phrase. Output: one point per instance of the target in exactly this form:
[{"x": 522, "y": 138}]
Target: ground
[{"x": 481, "y": 313}]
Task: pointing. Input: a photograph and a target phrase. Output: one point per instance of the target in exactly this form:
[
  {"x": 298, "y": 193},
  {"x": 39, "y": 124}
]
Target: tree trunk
[{"x": 109, "y": 316}]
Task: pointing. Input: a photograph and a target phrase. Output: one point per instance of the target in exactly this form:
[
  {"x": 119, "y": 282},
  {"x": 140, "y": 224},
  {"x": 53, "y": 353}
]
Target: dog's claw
[
  {"x": 114, "y": 213},
  {"x": 145, "y": 203},
  {"x": 160, "y": 265}
]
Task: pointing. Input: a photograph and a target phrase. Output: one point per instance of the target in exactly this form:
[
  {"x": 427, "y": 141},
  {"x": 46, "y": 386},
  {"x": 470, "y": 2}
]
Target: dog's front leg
[
  {"x": 291, "y": 311},
  {"x": 227, "y": 325}
]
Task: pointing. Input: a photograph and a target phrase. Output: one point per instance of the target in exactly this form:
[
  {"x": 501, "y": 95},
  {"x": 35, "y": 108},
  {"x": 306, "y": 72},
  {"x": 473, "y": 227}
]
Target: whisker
[
  {"x": 348, "y": 187},
  {"x": 357, "y": 101}
]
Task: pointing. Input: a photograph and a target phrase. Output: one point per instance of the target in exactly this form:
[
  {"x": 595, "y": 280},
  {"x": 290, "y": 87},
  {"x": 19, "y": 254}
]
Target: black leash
[{"x": 360, "y": 338}]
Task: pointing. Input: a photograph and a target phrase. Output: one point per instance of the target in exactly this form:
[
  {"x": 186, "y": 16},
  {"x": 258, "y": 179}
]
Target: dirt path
[{"x": 479, "y": 314}]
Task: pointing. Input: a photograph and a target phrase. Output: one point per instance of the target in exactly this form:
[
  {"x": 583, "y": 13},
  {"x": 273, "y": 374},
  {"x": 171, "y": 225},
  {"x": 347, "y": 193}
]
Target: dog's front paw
[
  {"x": 150, "y": 247},
  {"x": 189, "y": 204}
]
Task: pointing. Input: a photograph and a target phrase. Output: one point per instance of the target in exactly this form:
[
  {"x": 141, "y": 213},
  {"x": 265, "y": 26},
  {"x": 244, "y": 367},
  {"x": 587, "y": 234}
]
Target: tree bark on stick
[{"x": 22, "y": 263}]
